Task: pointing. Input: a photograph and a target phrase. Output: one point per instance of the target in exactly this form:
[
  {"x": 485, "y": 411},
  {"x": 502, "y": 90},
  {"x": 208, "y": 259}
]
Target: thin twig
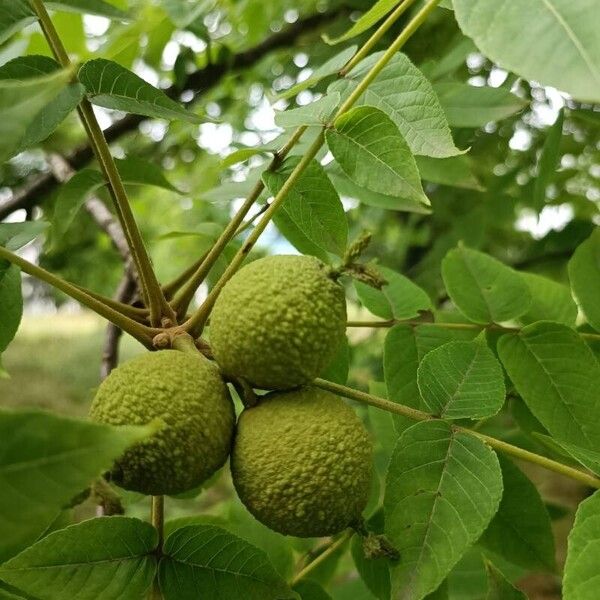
[
  {"x": 419, "y": 415},
  {"x": 140, "y": 332},
  {"x": 149, "y": 286},
  {"x": 125, "y": 293},
  {"x": 462, "y": 326}
]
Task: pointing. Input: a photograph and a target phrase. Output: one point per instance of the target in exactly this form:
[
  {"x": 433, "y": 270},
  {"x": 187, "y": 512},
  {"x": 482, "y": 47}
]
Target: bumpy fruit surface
[
  {"x": 278, "y": 322},
  {"x": 302, "y": 462},
  {"x": 187, "y": 393}
]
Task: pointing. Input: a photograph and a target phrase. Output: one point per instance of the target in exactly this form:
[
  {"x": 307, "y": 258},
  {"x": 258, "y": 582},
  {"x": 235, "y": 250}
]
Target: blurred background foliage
[{"x": 55, "y": 358}]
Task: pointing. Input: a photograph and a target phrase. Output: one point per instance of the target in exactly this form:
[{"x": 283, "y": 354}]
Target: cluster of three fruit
[{"x": 301, "y": 458}]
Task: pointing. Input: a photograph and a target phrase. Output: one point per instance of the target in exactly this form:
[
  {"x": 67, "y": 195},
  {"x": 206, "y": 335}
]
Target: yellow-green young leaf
[
  {"x": 110, "y": 558},
  {"x": 16, "y": 235},
  {"x": 584, "y": 273},
  {"x": 137, "y": 171},
  {"x": 443, "y": 488},
  {"x": 455, "y": 171},
  {"x": 461, "y": 380},
  {"x": 20, "y": 103},
  {"x": 51, "y": 115},
  {"x": 73, "y": 194},
  {"x": 499, "y": 588},
  {"x": 243, "y": 154},
  {"x": 547, "y": 161},
  {"x": 581, "y": 569},
  {"x": 470, "y": 106},
  {"x": 204, "y": 560},
  {"x": 330, "y": 67},
  {"x": 347, "y": 187},
  {"x": 405, "y": 346},
  {"x": 566, "y": 52},
  {"x": 45, "y": 460},
  {"x": 521, "y": 531},
  {"x": 550, "y": 301},
  {"x": 399, "y": 298},
  {"x": 368, "y": 146},
  {"x": 379, "y": 10},
  {"x": 406, "y": 96},
  {"x": 14, "y": 16},
  {"x": 315, "y": 113},
  {"x": 482, "y": 288},
  {"x": 11, "y": 303},
  {"x": 90, "y": 7},
  {"x": 71, "y": 198},
  {"x": 558, "y": 377},
  {"x": 312, "y": 216},
  {"x": 110, "y": 85},
  {"x": 337, "y": 370}
]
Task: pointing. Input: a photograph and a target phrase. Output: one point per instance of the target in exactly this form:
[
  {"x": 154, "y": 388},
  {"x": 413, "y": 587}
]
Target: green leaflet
[
  {"x": 110, "y": 558},
  {"x": 442, "y": 490},
  {"x": 562, "y": 29},
  {"x": 581, "y": 569},
  {"x": 370, "y": 149},
  {"x": 204, "y": 559},
  {"x": 558, "y": 376},
  {"x": 482, "y": 288},
  {"x": 45, "y": 460}
]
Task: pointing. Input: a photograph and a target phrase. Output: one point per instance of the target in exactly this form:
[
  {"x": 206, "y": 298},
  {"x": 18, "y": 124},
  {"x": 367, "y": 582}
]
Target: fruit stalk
[
  {"x": 151, "y": 289},
  {"x": 157, "y": 517},
  {"x": 197, "y": 321},
  {"x": 418, "y": 415},
  {"x": 329, "y": 551}
]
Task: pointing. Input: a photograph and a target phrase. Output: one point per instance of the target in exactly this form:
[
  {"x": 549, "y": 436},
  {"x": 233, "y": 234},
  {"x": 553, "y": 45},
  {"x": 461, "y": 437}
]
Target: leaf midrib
[
  {"x": 387, "y": 166},
  {"x": 571, "y": 35}
]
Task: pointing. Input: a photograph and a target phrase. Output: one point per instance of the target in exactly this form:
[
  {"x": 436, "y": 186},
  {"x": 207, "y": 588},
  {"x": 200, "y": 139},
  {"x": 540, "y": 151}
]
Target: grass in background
[{"x": 54, "y": 362}]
